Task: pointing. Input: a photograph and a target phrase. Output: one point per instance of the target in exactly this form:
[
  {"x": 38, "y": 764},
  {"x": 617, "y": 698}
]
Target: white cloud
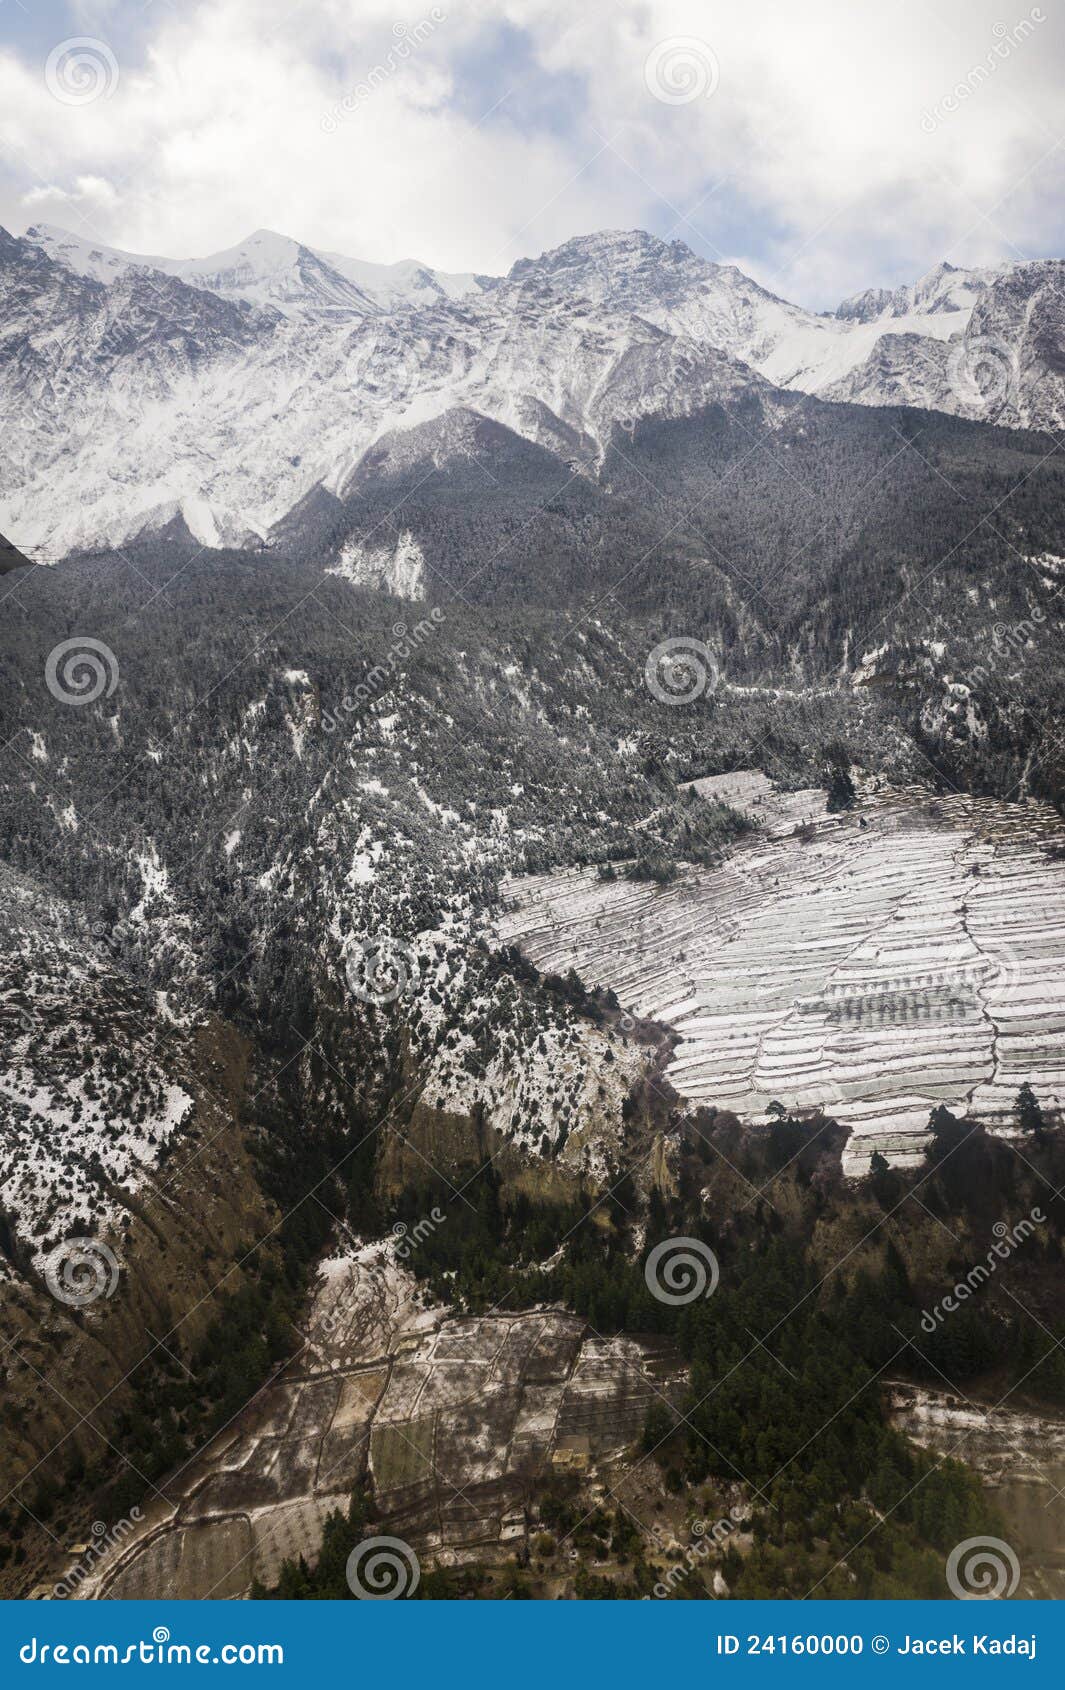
[
  {"x": 813, "y": 160},
  {"x": 92, "y": 193}
]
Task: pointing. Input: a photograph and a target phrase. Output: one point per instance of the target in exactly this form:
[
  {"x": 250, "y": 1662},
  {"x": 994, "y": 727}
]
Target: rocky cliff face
[{"x": 1004, "y": 362}]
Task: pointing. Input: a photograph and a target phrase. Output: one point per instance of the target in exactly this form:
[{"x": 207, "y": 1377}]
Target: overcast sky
[{"x": 822, "y": 145}]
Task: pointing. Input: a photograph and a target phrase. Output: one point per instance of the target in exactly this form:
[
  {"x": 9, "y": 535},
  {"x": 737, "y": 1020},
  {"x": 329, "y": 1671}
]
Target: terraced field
[
  {"x": 873, "y": 963},
  {"x": 1020, "y": 1457},
  {"x": 451, "y": 1421}
]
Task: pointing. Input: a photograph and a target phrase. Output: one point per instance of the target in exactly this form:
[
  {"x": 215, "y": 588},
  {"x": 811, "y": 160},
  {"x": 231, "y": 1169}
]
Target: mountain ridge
[{"x": 222, "y": 391}]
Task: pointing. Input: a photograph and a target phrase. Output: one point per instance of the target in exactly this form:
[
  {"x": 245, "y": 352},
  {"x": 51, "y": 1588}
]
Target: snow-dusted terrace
[
  {"x": 453, "y": 1422},
  {"x": 906, "y": 953}
]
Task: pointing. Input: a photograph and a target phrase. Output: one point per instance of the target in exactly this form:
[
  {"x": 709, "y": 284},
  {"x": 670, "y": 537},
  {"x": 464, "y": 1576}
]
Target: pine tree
[{"x": 1029, "y": 1114}]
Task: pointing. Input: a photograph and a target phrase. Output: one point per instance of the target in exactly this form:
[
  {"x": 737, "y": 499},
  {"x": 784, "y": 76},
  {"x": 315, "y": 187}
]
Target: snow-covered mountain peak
[
  {"x": 85, "y": 257},
  {"x": 624, "y": 266},
  {"x": 864, "y": 307},
  {"x": 408, "y": 282},
  {"x": 153, "y": 398},
  {"x": 607, "y": 250},
  {"x": 945, "y": 288},
  {"x": 269, "y": 269},
  {"x": 220, "y": 392}
]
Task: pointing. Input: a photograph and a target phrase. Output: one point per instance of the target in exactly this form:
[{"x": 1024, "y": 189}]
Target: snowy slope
[{"x": 90, "y": 1085}]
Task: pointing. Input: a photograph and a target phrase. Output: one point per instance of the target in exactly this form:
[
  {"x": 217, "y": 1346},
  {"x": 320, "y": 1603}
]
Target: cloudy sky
[{"x": 823, "y": 145}]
